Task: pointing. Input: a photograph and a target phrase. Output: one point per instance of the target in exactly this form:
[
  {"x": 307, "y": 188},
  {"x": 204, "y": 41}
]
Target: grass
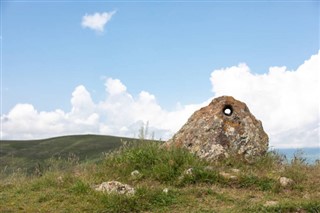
[{"x": 193, "y": 185}]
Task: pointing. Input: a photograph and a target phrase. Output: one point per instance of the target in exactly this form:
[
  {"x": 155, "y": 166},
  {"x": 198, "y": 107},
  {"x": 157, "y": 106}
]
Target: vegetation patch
[{"x": 165, "y": 180}]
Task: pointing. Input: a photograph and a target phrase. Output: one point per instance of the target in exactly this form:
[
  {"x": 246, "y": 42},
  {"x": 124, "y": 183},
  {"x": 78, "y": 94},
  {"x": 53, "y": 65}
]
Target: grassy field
[
  {"x": 226, "y": 186},
  {"x": 28, "y": 155}
]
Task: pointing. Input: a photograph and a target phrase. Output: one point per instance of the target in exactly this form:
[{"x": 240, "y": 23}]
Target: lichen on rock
[
  {"x": 115, "y": 187},
  {"x": 225, "y": 127}
]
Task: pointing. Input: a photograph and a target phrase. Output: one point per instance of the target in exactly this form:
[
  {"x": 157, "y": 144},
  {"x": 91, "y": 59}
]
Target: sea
[{"x": 310, "y": 155}]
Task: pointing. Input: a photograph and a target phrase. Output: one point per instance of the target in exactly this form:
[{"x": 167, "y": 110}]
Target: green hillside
[
  {"x": 164, "y": 180},
  {"x": 27, "y": 154}
]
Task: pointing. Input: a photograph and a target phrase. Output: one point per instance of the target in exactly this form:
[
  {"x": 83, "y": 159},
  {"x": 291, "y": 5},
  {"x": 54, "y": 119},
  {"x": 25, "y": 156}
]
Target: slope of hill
[
  {"x": 166, "y": 180},
  {"x": 26, "y": 154}
]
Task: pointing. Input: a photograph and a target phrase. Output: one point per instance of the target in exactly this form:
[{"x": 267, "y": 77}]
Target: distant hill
[{"x": 25, "y": 154}]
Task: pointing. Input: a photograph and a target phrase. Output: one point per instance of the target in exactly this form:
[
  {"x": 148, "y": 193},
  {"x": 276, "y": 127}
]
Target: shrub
[{"x": 152, "y": 160}]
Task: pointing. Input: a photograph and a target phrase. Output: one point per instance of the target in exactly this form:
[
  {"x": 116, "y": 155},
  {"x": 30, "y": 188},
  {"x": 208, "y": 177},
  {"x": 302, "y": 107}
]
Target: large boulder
[{"x": 225, "y": 127}]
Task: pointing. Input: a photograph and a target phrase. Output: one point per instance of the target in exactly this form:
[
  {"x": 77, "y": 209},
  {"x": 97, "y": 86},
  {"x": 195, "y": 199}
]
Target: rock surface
[
  {"x": 188, "y": 171},
  {"x": 165, "y": 190},
  {"x": 285, "y": 182},
  {"x": 115, "y": 187},
  {"x": 228, "y": 175},
  {"x": 225, "y": 127},
  {"x": 271, "y": 203},
  {"x": 135, "y": 173}
]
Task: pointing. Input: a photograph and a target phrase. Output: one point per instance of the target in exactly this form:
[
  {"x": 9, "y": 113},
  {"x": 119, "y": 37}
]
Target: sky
[{"x": 110, "y": 67}]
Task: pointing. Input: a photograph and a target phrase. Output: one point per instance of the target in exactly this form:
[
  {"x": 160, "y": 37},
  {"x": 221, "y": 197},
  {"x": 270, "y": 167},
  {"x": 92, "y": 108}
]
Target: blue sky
[{"x": 168, "y": 49}]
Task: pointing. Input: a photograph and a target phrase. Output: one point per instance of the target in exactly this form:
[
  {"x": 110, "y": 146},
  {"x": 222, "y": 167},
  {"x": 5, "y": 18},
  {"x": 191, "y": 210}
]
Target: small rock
[
  {"x": 115, "y": 187},
  {"x": 60, "y": 179},
  {"x": 233, "y": 177},
  {"x": 135, "y": 173},
  {"x": 228, "y": 175},
  {"x": 285, "y": 182},
  {"x": 271, "y": 203},
  {"x": 306, "y": 196},
  {"x": 188, "y": 171},
  {"x": 165, "y": 190},
  {"x": 235, "y": 170}
]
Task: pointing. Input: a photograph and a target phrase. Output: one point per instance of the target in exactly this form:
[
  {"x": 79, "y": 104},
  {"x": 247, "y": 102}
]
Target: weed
[
  {"x": 200, "y": 175},
  {"x": 152, "y": 161},
  {"x": 80, "y": 187},
  {"x": 263, "y": 183}
]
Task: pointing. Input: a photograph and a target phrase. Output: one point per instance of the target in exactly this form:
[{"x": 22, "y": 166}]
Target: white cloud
[
  {"x": 97, "y": 21},
  {"x": 115, "y": 87},
  {"x": 119, "y": 114},
  {"x": 25, "y": 122},
  {"x": 81, "y": 101},
  {"x": 124, "y": 114},
  {"x": 287, "y": 102}
]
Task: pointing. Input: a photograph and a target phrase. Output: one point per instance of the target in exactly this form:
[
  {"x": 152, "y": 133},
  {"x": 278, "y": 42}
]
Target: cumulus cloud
[
  {"x": 25, "y": 122},
  {"x": 97, "y": 21},
  {"x": 287, "y": 102},
  {"x": 119, "y": 114},
  {"x": 115, "y": 87},
  {"x": 124, "y": 114}
]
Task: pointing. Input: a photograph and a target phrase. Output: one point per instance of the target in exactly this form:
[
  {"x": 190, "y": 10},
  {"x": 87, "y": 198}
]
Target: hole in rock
[{"x": 227, "y": 110}]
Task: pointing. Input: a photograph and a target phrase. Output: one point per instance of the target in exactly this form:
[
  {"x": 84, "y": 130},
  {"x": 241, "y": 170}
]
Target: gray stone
[
  {"x": 225, "y": 127},
  {"x": 271, "y": 203},
  {"x": 228, "y": 175},
  {"x": 188, "y": 171},
  {"x": 135, "y": 173},
  {"x": 165, "y": 190},
  {"x": 235, "y": 171},
  {"x": 115, "y": 187},
  {"x": 285, "y": 182}
]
